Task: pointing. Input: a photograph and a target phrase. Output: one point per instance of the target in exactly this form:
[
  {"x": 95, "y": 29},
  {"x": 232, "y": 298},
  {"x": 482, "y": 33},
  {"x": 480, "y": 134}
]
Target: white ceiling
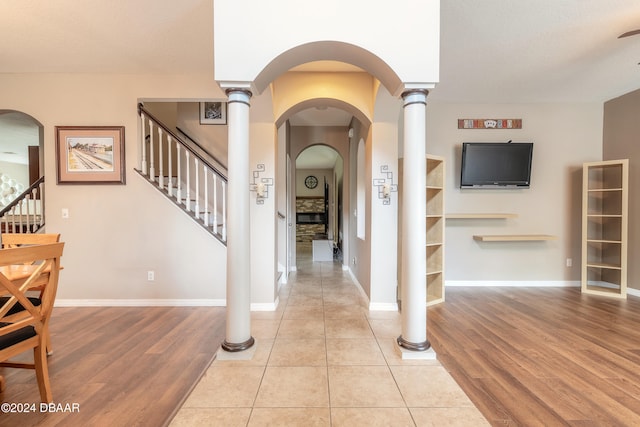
[{"x": 492, "y": 51}]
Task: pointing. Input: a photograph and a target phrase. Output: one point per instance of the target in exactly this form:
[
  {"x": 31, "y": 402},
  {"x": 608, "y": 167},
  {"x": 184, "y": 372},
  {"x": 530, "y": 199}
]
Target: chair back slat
[
  {"x": 14, "y": 240},
  {"x": 30, "y": 254}
]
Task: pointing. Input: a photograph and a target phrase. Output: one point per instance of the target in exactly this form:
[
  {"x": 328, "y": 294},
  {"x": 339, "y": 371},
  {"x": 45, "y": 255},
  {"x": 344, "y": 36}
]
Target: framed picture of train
[{"x": 90, "y": 154}]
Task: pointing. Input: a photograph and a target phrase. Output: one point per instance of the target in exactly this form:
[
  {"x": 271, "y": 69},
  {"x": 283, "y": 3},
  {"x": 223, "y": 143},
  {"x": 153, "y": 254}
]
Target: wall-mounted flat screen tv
[{"x": 496, "y": 164}]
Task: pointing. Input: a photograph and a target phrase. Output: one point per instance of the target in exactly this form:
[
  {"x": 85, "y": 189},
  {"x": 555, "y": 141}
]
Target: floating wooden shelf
[
  {"x": 513, "y": 237},
  {"x": 480, "y": 215}
]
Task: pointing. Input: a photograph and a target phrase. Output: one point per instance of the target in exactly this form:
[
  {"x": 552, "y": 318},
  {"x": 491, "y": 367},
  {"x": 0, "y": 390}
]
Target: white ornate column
[
  {"x": 414, "y": 211},
  {"x": 238, "y": 328}
]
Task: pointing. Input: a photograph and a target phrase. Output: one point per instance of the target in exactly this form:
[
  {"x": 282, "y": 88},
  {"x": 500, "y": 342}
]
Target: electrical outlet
[
  {"x": 569, "y": 262},
  {"x": 151, "y": 275}
]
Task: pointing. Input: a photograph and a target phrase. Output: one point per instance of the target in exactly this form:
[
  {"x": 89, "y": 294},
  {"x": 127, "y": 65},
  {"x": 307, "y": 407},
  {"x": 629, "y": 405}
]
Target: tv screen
[{"x": 496, "y": 164}]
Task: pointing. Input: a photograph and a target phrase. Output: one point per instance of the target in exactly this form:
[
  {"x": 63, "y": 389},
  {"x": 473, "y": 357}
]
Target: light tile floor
[{"x": 322, "y": 359}]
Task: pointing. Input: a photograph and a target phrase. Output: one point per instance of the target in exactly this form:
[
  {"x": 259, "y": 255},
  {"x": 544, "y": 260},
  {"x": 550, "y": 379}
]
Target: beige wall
[
  {"x": 116, "y": 233},
  {"x": 564, "y": 136},
  {"x": 621, "y": 141}
]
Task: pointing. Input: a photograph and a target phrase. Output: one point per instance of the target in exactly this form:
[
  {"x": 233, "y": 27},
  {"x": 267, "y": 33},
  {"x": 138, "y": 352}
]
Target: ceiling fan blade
[{"x": 629, "y": 33}]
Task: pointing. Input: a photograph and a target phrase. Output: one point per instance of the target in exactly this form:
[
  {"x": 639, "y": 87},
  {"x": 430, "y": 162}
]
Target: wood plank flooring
[
  {"x": 124, "y": 366},
  {"x": 525, "y": 357},
  {"x": 542, "y": 357}
]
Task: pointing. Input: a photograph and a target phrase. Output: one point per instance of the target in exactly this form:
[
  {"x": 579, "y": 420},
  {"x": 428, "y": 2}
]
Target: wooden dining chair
[
  {"x": 16, "y": 240},
  {"x": 29, "y": 328}
]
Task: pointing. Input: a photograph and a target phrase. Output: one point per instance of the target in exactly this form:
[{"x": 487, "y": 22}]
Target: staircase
[
  {"x": 24, "y": 214},
  {"x": 184, "y": 173}
]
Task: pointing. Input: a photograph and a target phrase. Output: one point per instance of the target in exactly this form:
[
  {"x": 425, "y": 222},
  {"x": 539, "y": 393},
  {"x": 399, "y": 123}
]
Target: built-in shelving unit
[
  {"x": 435, "y": 229},
  {"x": 604, "y": 227}
]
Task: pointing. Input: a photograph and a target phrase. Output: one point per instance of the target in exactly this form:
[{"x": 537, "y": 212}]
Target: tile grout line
[{"x": 326, "y": 347}]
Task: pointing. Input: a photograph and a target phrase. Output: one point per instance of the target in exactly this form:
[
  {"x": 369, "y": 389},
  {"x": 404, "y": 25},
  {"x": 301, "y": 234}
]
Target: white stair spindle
[
  {"x": 215, "y": 203},
  {"x": 26, "y": 201},
  {"x": 160, "y": 160},
  {"x": 152, "y": 169},
  {"x": 196, "y": 168},
  {"x": 21, "y": 204},
  {"x": 188, "y": 195},
  {"x": 206, "y": 196},
  {"x": 143, "y": 141},
  {"x": 179, "y": 177},
  {"x": 170, "y": 171}
]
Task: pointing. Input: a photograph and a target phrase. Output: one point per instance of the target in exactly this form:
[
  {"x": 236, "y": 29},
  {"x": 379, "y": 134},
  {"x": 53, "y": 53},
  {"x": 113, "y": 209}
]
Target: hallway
[{"x": 322, "y": 359}]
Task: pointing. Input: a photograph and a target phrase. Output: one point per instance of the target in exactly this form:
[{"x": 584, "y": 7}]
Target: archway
[
  {"x": 318, "y": 191},
  {"x": 21, "y": 167},
  {"x": 22, "y": 144}
]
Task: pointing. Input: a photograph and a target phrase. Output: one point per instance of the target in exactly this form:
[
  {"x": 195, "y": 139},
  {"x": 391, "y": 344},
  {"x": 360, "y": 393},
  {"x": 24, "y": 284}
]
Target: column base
[
  {"x": 406, "y": 354},
  {"x": 421, "y": 346},
  {"x": 234, "y": 347}
]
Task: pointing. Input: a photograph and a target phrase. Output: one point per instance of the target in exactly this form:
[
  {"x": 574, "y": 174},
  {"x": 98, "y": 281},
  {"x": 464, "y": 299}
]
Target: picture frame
[
  {"x": 90, "y": 155},
  {"x": 213, "y": 113}
]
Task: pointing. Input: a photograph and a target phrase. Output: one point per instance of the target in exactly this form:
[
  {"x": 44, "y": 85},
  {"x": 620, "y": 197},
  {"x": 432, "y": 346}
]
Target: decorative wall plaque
[{"x": 489, "y": 123}]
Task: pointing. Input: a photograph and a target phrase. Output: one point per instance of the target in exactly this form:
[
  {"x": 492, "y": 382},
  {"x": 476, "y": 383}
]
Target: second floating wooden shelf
[
  {"x": 513, "y": 237},
  {"x": 480, "y": 215}
]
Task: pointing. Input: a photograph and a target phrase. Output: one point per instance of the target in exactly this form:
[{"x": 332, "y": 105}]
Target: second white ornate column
[
  {"x": 238, "y": 327},
  {"x": 414, "y": 211}
]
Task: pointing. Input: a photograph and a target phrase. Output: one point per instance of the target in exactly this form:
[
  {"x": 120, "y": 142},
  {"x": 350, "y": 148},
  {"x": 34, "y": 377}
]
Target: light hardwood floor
[
  {"x": 542, "y": 357},
  {"x": 128, "y": 366},
  {"x": 525, "y": 357}
]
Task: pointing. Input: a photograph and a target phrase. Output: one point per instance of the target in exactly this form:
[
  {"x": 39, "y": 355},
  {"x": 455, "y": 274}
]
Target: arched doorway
[
  {"x": 21, "y": 172},
  {"x": 318, "y": 189},
  {"x": 21, "y": 153},
  {"x": 323, "y": 126}
]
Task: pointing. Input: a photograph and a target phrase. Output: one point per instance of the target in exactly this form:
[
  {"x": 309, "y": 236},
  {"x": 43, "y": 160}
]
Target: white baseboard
[
  {"x": 633, "y": 292},
  {"x": 158, "y": 303},
  {"x": 140, "y": 303},
  {"x": 265, "y": 306},
  {"x": 358, "y": 285},
  {"x": 382, "y": 306},
  {"x": 514, "y": 283}
]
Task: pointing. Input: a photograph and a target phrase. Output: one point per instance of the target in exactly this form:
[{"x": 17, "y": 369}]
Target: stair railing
[
  {"x": 25, "y": 214},
  {"x": 183, "y": 175}
]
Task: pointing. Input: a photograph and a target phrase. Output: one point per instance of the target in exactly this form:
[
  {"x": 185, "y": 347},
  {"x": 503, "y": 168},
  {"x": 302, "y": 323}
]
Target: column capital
[
  {"x": 414, "y": 96},
  {"x": 232, "y": 90},
  {"x": 239, "y": 95}
]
